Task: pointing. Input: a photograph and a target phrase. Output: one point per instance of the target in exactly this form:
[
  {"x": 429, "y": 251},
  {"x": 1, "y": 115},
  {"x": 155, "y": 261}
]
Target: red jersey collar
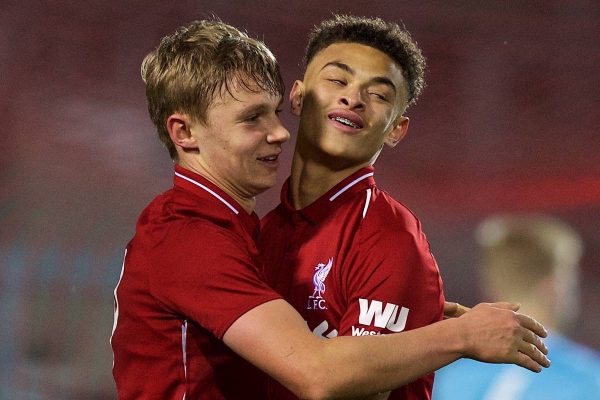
[
  {"x": 225, "y": 205},
  {"x": 319, "y": 209}
]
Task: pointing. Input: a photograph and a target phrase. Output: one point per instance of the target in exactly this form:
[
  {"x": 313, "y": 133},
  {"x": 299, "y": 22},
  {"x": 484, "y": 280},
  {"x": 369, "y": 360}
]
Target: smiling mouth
[
  {"x": 268, "y": 158},
  {"x": 345, "y": 121}
]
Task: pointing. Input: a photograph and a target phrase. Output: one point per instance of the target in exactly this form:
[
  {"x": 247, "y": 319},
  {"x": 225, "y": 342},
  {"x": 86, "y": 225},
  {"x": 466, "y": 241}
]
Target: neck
[
  {"x": 311, "y": 178},
  {"x": 247, "y": 203}
]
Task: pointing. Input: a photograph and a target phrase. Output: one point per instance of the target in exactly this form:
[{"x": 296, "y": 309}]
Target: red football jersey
[
  {"x": 189, "y": 272},
  {"x": 355, "y": 262}
]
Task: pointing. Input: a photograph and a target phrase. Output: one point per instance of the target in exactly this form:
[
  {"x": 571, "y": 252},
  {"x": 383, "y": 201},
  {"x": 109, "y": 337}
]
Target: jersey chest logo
[{"x": 316, "y": 301}]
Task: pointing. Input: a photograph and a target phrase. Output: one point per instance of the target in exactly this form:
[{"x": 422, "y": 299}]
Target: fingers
[
  {"x": 535, "y": 340},
  {"x": 534, "y": 358},
  {"x": 527, "y": 362},
  {"x": 450, "y": 309},
  {"x": 505, "y": 336},
  {"x": 505, "y": 305},
  {"x": 532, "y": 351},
  {"x": 454, "y": 310},
  {"x": 531, "y": 324}
]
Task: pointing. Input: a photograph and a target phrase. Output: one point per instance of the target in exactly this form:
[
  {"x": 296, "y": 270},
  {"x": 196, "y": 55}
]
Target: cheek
[
  {"x": 248, "y": 148},
  {"x": 317, "y": 100},
  {"x": 309, "y": 108}
]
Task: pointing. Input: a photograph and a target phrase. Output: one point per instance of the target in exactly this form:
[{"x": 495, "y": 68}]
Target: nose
[
  {"x": 352, "y": 98},
  {"x": 278, "y": 133}
]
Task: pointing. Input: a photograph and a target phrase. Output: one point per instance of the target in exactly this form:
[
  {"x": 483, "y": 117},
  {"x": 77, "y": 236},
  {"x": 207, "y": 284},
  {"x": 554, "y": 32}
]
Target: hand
[
  {"x": 496, "y": 333},
  {"x": 454, "y": 310}
]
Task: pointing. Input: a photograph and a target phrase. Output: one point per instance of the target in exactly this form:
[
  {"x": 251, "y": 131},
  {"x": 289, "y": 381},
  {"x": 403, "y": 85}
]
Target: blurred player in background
[{"x": 532, "y": 260}]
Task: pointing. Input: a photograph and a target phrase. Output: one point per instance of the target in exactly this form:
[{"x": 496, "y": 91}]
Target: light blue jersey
[{"x": 573, "y": 375}]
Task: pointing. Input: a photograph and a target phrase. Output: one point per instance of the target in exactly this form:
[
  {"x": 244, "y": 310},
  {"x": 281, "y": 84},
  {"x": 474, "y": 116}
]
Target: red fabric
[
  {"x": 191, "y": 266},
  {"x": 383, "y": 259}
]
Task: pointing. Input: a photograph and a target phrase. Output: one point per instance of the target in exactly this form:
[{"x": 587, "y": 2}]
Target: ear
[
  {"x": 398, "y": 131},
  {"x": 296, "y": 97},
  {"x": 179, "y": 127}
]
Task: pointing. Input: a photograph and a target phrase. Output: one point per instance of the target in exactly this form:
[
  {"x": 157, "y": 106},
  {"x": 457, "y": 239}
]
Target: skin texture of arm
[
  {"x": 274, "y": 337},
  {"x": 451, "y": 310}
]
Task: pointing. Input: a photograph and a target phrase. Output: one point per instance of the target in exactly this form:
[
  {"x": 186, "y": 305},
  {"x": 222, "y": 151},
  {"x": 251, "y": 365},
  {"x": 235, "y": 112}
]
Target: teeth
[
  {"x": 346, "y": 122},
  {"x": 270, "y": 158}
]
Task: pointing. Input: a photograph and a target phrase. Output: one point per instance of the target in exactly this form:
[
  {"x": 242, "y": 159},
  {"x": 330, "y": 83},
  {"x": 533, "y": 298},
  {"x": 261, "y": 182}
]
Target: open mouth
[
  {"x": 346, "y": 122},
  {"x": 346, "y": 118},
  {"x": 271, "y": 158}
]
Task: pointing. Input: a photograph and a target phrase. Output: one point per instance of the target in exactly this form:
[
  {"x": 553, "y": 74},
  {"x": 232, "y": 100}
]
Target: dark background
[{"x": 508, "y": 123}]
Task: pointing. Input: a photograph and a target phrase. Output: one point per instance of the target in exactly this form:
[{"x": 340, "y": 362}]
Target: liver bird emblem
[{"x": 321, "y": 272}]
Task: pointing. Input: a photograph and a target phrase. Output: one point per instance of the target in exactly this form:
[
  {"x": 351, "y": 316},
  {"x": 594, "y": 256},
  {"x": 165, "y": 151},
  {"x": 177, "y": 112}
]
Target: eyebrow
[
  {"x": 345, "y": 67},
  {"x": 339, "y": 65},
  {"x": 258, "y": 108},
  {"x": 248, "y": 109}
]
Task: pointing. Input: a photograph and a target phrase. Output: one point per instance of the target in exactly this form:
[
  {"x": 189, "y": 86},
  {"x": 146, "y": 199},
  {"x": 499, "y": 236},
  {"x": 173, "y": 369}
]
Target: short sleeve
[{"x": 210, "y": 276}]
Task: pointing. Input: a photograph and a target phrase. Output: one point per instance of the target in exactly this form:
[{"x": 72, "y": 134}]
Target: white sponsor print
[
  {"x": 316, "y": 301},
  {"x": 372, "y": 312},
  {"x": 322, "y": 328},
  {"x": 363, "y": 332}
]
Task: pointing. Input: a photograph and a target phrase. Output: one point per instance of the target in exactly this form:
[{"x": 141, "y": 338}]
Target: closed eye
[
  {"x": 337, "y": 81},
  {"x": 255, "y": 118},
  {"x": 379, "y": 96}
]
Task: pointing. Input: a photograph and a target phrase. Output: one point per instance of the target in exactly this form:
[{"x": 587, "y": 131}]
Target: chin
[
  {"x": 264, "y": 186},
  {"x": 336, "y": 149}
]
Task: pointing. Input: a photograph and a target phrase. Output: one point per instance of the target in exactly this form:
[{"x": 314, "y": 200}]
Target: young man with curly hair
[{"x": 350, "y": 258}]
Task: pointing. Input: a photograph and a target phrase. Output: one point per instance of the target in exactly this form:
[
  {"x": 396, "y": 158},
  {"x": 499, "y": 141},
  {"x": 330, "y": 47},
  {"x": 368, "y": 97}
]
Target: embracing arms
[{"x": 274, "y": 337}]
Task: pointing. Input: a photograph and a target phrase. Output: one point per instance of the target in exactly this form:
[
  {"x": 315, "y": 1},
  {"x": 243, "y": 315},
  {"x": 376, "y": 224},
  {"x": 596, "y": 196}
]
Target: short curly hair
[
  {"x": 191, "y": 67},
  {"x": 385, "y": 36}
]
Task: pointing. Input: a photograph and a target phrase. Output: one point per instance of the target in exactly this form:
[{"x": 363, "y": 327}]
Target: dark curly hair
[{"x": 385, "y": 36}]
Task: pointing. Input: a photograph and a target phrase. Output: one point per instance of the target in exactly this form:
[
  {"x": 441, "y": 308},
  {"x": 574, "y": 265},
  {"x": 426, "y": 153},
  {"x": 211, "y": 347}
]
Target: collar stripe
[
  {"x": 348, "y": 186},
  {"x": 367, "y": 202},
  {"x": 209, "y": 191},
  {"x": 184, "y": 329}
]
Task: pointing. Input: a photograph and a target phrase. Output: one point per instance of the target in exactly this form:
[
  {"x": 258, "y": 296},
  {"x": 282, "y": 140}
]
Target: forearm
[
  {"x": 489, "y": 332},
  {"x": 275, "y": 338},
  {"x": 356, "y": 366}
]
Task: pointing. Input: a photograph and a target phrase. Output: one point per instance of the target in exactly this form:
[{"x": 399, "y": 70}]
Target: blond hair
[
  {"x": 521, "y": 252},
  {"x": 197, "y": 63}
]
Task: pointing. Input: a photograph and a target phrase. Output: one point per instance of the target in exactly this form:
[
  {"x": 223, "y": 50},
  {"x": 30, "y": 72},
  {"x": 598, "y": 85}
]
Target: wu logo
[
  {"x": 391, "y": 316},
  {"x": 316, "y": 301}
]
